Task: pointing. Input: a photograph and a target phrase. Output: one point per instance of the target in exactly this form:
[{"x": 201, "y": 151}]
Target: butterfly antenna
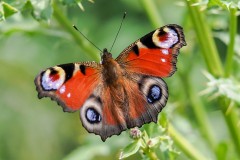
[
  {"x": 124, "y": 15},
  {"x": 87, "y": 38}
]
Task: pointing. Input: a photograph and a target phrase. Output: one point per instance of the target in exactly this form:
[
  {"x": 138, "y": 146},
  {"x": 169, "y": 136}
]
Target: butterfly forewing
[
  {"x": 68, "y": 84},
  {"x": 154, "y": 54}
]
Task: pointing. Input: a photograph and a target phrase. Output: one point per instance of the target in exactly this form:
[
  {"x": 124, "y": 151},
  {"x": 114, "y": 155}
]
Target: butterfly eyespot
[
  {"x": 52, "y": 78},
  {"x": 154, "y": 94},
  {"x": 155, "y": 90},
  {"x": 165, "y": 38},
  {"x": 93, "y": 116}
]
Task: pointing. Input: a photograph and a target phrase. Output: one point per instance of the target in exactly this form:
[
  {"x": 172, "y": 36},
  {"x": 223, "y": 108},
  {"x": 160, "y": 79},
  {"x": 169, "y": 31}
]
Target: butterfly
[{"x": 117, "y": 94}]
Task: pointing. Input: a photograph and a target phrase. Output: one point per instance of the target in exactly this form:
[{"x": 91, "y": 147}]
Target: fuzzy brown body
[{"x": 112, "y": 72}]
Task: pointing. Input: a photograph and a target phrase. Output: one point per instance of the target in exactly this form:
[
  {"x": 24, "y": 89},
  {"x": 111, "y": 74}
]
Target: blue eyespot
[
  {"x": 154, "y": 94},
  {"x": 93, "y": 116}
]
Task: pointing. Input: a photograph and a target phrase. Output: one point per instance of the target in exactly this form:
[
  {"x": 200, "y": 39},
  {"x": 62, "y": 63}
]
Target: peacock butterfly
[{"x": 117, "y": 94}]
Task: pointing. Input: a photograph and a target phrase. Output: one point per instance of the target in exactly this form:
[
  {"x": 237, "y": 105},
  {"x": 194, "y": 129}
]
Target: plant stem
[
  {"x": 150, "y": 154},
  {"x": 205, "y": 39},
  {"x": 232, "y": 34},
  {"x": 152, "y": 12},
  {"x": 214, "y": 64},
  {"x": 199, "y": 111},
  {"x": 232, "y": 119},
  {"x": 184, "y": 144},
  {"x": 63, "y": 21}
]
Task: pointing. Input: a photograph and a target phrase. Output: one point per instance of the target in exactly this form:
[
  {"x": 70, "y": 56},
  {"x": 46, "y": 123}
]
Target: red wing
[
  {"x": 68, "y": 84},
  {"x": 154, "y": 54},
  {"x": 136, "y": 101}
]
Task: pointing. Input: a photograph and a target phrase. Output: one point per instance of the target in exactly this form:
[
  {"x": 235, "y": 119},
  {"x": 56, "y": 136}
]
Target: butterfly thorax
[{"x": 112, "y": 72}]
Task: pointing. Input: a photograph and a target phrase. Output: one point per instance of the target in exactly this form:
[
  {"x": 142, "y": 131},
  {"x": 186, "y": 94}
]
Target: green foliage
[
  {"x": 7, "y": 10},
  {"x": 149, "y": 146},
  {"x": 226, "y": 87},
  {"x": 227, "y": 5},
  {"x": 201, "y": 119}
]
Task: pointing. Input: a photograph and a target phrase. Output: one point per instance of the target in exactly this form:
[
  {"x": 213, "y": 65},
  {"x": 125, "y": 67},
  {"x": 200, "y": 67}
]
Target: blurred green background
[{"x": 36, "y": 34}]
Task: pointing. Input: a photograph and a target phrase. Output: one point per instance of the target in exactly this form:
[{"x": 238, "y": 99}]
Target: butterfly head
[{"x": 106, "y": 56}]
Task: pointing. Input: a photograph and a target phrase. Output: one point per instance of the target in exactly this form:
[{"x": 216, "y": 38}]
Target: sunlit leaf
[
  {"x": 226, "y": 5},
  {"x": 42, "y": 9},
  {"x": 219, "y": 3},
  {"x": 163, "y": 121},
  {"x": 1, "y": 16},
  {"x": 131, "y": 149},
  {"x": 8, "y": 10},
  {"x": 173, "y": 154},
  {"x": 227, "y": 87},
  {"x": 154, "y": 141}
]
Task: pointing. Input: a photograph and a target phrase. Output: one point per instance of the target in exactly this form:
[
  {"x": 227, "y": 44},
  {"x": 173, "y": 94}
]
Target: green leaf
[
  {"x": 212, "y": 3},
  {"x": 8, "y": 10},
  {"x": 173, "y": 154},
  {"x": 154, "y": 141},
  {"x": 159, "y": 139},
  {"x": 227, "y": 87},
  {"x": 163, "y": 120},
  {"x": 42, "y": 9},
  {"x": 27, "y": 8},
  {"x": 1, "y": 16},
  {"x": 226, "y": 5},
  {"x": 131, "y": 149}
]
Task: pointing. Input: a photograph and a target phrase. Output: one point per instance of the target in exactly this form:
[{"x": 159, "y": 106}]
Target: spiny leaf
[
  {"x": 42, "y": 9},
  {"x": 27, "y": 8},
  {"x": 8, "y": 10},
  {"x": 226, "y": 5},
  {"x": 227, "y": 87}
]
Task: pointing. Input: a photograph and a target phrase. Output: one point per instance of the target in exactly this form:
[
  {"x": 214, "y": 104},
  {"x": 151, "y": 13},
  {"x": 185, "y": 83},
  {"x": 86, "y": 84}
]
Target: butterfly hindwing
[
  {"x": 136, "y": 101},
  {"x": 155, "y": 53}
]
